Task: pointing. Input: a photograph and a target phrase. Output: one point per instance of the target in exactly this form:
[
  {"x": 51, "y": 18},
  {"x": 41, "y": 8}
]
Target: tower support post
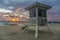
[{"x": 37, "y": 27}]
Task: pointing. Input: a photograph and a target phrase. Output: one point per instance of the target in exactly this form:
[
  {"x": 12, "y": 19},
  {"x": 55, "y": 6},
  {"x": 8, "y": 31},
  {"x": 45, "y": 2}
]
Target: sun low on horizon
[{"x": 13, "y": 19}]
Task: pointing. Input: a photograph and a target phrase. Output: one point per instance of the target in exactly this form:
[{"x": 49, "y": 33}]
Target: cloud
[
  {"x": 5, "y": 11},
  {"x": 10, "y": 7}
]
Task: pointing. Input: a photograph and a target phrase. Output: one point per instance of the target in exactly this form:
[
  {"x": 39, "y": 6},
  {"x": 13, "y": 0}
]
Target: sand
[{"x": 15, "y": 33}]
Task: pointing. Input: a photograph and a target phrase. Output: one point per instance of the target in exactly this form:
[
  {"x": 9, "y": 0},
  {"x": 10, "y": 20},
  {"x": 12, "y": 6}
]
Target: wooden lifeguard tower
[{"x": 38, "y": 15}]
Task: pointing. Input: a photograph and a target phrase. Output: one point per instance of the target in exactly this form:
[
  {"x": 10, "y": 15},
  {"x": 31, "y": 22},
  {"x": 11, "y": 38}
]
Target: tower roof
[{"x": 36, "y": 4}]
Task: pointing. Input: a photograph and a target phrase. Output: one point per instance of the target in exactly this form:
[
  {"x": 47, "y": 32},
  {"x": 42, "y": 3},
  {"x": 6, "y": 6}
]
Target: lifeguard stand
[{"x": 38, "y": 15}]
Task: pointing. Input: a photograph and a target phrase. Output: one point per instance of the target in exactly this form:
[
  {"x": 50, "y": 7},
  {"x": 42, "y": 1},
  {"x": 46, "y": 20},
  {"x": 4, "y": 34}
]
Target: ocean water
[{"x": 4, "y": 23}]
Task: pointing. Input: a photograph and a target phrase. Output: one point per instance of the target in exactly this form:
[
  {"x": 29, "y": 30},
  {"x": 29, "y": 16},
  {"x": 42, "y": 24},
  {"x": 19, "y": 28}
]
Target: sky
[{"x": 53, "y": 14}]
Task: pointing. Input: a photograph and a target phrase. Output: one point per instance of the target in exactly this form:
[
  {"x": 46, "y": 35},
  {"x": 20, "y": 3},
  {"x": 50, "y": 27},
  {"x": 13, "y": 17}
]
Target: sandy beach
[{"x": 15, "y": 33}]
